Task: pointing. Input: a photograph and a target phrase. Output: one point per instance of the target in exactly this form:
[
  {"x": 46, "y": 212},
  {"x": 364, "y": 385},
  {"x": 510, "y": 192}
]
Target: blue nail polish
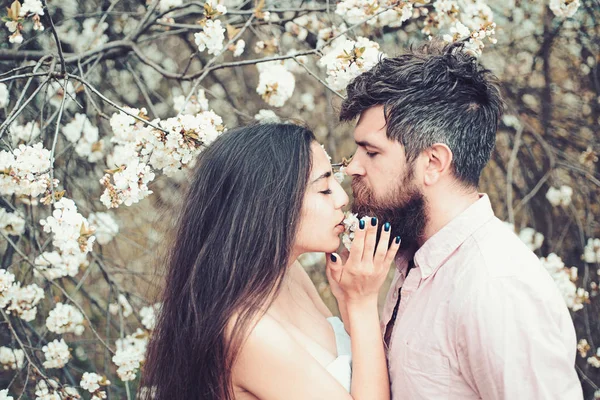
[
  {"x": 386, "y": 227},
  {"x": 361, "y": 224},
  {"x": 397, "y": 239},
  {"x": 373, "y": 221},
  {"x": 333, "y": 258}
]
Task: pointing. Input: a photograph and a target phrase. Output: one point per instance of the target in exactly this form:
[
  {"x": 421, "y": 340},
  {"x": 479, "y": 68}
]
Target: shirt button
[{"x": 395, "y": 294}]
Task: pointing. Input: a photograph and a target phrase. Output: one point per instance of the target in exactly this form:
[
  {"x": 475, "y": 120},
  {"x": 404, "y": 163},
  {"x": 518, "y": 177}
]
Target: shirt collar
[{"x": 443, "y": 243}]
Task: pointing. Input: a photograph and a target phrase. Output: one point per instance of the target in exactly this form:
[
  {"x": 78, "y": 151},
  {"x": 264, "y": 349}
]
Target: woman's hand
[{"x": 366, "y": 268}]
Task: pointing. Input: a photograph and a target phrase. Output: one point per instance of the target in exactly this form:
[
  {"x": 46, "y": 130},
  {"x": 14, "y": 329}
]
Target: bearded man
[{"x": 471, "y": 313}]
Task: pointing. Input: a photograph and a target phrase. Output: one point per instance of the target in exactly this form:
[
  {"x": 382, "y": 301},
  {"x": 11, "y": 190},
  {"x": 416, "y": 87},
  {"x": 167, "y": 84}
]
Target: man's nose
[{"x": 354, "y": 168}]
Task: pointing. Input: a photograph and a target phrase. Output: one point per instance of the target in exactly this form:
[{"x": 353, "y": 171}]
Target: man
[{"x": 471, "y": 313}]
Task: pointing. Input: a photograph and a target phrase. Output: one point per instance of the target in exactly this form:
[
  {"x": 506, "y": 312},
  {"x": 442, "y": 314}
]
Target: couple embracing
[{"x": 470, "y": 314}]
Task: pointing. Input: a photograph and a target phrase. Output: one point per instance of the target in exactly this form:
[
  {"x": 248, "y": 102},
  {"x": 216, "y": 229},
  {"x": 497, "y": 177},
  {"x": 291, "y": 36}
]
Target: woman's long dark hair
[{"x": 231, "y": 251}]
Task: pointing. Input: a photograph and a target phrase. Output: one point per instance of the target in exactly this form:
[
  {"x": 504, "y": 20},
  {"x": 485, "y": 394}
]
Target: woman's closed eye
[
  {"x": 371, "y": 154},
  {"x": 328, "y": 191}
]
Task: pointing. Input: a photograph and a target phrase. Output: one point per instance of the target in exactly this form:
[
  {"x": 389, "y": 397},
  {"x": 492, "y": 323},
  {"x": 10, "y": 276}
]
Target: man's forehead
[{"x": 368, "y": 128}]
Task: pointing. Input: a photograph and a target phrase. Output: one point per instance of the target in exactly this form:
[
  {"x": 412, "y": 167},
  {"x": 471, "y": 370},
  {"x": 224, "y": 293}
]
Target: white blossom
[
  {"x": 24, "y": 133},
  {"x": 65, "y": 318},
  {"x": 560, "y": 196},
  {"x": 564, "y": 8},
  {"x": 4, "y": 95},
  {"x": 165, "y": 5},
  {"x": 11, "y": 223},
  {"x": 574, "y": 297},
  {"x": 52, "y": 264},
  {"x": 266, "y": 116},
  {"x": 92, "y": 382},
  {"x": 57, "y": 354},
  {"x": 4, "y": 395},
  {"x": 187, "y": 136},
  {"x": 148, "y": 315},
  {"x": 31, "y": 7},
  {"x": 71, "y": 232},
  {"x": 211, "y": 38},
  {"x": 347, "y": 59},
  {"x": 357, "y": 11},
  {"x": 84, "y": 135},
  {"x": 130, "y": 354},
  {"x": 130, "y": 185},
  {"x": 22, "y": 301},
  {"x": 275, "y": 83},
  {"x": 240, "y": 45},
  {"x": 350, "y": 226},
  {"x": 49, "y": 389},
  {"x": 106, "y": 227},
  {"x": 89, "y": 37},
  {"x": 122, "y": 304},
  {"x": 529, "y": 236},
  {"x": 6, "y": 281},
  {"x": 194, "y": 105},
  {"x": 25, "y": 172},
  {"x": 11, "y": 358},
  {"x": 591, "y": 252}
]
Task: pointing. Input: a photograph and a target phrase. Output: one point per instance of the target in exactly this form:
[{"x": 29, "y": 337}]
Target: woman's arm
[{"x": 357, "y": 284}]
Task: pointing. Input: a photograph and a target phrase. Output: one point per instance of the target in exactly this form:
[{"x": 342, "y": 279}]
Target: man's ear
[{"x": 438, "y": 162}]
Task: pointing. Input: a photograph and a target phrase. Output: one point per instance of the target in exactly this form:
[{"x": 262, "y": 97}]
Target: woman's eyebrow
[{"x": 324, "y": 175}]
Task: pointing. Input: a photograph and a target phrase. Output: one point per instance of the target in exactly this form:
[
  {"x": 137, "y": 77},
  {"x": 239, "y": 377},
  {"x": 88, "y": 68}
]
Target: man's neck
[{"x": 443, "y": 207}]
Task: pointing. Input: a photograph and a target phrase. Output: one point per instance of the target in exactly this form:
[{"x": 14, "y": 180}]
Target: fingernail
[
  {"x": 397, "y": 239},
  {"x": 386, "y": 227},
  {"x": 373, "y": 221},
  {"x": 333, "y": 258},
  {"x": 361, "y": 224}
]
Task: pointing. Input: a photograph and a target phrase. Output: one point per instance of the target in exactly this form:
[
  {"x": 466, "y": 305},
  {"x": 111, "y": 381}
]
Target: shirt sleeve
[{"x": 516, "y": 340}]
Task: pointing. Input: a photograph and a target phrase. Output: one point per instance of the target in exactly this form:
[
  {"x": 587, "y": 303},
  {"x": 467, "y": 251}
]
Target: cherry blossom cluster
[
  {"x": 18, "y": 300},
  {"x": 84, "y": 135},
  {"x": 560, "y": 196},
  {"x": 24, "y": 134},
  {"x": 91, "y": 35},
  {"x": 25, "y": 171},
  {"x": 50, "y": 389},
  {"x": 11, "y": 358},
  {"x": 140, "y": 150},
  {"x": 374, "y": 12},
  {"x": 275, "y": 82},
  {"x": 17, "y": 13},
  {"x": 564, "y": 8},
  {"x": 564, "y": 278},
  {"x": 350, "y": 225},
  {"x": 93, "y": 382},
  {"x": 591, "y": 252},
  {"x": 130, "y": 354},
  {"x": 345, "y": 59},
  {"x": 56, "y": 354},
  {"x": 105, "y": 226},
  {"x": 213, "y": 33},
  {"x": 11, "y": 223},
  {"x": 463, "y": 19},
  {"x": 65, "y": 318}
]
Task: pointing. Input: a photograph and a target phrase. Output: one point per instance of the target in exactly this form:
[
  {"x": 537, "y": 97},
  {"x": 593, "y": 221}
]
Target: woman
[{"x": 240, "y": 318}]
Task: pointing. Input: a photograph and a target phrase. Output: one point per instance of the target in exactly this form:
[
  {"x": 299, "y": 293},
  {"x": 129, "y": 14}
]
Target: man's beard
[{"x": 405, "y": 208}]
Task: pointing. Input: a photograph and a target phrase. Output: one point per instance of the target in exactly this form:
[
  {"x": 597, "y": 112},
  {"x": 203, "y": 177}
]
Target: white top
[{"x": 341, "y": 367}]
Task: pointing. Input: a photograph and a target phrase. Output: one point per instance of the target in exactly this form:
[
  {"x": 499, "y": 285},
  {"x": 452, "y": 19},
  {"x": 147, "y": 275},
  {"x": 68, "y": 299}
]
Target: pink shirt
[{"x": 479, "y": 318}]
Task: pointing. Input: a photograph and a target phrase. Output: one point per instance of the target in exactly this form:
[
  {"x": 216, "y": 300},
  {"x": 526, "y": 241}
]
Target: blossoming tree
[{"x": 105, "y": 105}]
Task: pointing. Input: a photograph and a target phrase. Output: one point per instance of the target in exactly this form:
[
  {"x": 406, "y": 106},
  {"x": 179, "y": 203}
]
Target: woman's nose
[{"x": 342, "y": 198}]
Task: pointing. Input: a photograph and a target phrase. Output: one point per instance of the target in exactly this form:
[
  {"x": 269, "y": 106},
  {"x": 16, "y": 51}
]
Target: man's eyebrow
[
  {"x": 323, "y": 175},
  {"x": 364, "y": 143}
]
